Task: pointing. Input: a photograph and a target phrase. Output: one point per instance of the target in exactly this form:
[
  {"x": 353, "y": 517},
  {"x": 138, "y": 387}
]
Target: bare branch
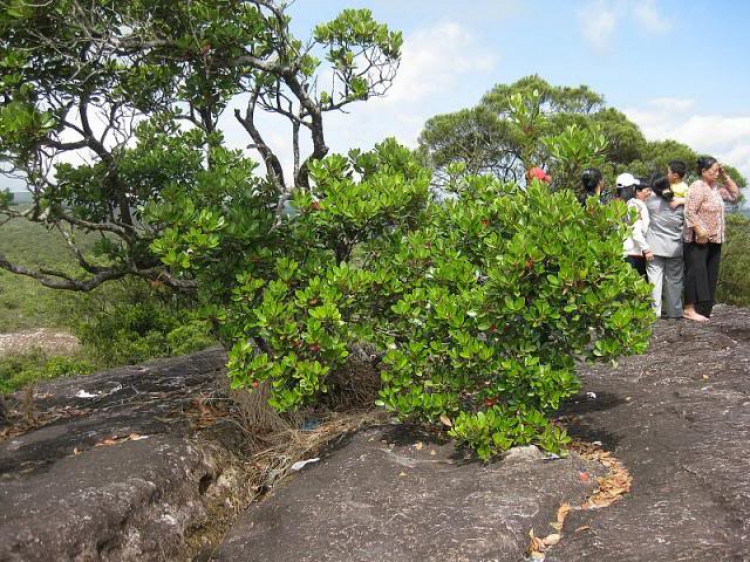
[
  {"x": 82, "y": 262},
  {"x": 274, "y": 171},
  {"x": 59, "y": 280}
]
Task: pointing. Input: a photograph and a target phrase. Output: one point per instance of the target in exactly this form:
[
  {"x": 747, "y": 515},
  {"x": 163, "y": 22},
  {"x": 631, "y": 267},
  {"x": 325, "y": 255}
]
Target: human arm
[
  {"x": 730, "y": 190},
  {"x": 676, "y": 202}
]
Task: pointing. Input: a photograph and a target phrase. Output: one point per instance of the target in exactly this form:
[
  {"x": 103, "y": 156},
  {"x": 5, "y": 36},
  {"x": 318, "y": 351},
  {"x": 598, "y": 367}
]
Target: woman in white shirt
[{"x": 635, "y": 192}]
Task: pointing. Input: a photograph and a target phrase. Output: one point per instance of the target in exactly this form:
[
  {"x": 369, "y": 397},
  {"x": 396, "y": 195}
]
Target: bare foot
[{"x": 694, "y": 316}]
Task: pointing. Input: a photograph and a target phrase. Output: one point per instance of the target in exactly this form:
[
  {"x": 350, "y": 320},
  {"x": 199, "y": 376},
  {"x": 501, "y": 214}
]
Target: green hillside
[{"x": 24, "y": 303}]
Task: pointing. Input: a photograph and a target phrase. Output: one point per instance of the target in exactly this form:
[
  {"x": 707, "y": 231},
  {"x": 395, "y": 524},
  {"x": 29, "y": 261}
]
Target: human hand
[
  {"x": 649, "y": 255},
  {"x": 701, "y": 239}
]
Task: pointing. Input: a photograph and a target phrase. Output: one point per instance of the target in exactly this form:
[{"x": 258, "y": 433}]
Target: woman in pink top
[{"x": 703, "y": 236}]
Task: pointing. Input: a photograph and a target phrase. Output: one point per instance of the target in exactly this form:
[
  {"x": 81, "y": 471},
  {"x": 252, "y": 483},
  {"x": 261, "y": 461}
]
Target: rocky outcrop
[
  {"x": 124, "y": 466},
  {"x": 391, "y": 494},
  {"x": 679, "y": 418},
  {"x": 120, "y": 470}
]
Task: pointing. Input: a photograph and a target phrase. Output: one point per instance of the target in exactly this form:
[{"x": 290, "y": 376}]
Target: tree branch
[
  {"x": 274, "y": 170},
  {"x": 59, "y": 280}
]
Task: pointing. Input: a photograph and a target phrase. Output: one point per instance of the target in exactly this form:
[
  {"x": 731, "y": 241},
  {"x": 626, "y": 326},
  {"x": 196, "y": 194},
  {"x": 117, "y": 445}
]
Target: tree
[
  {"x": 136, "y": 89},
  {"x": 503, "y": 134},
  {"x": 513, "y": 127},
  {"x": 473, "y": 311}
]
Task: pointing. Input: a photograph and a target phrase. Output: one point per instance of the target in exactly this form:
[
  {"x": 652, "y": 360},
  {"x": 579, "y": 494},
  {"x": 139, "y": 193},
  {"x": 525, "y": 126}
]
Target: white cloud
[
  {"x": 648, "y": 17},
  {"x": 433, "y": 61},
  {"x": 672, "y": 104},
  {"x": 727, "y": 137},
  {"x": 599, "y": 21}
]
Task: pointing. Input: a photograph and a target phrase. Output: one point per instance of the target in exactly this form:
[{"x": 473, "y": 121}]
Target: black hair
[
  {"x": 704, "y": 163},
  {"x": 627, "y": 193},
  {"x": 678, "y": 167},
  {"x": 590, "y": 179},
  {"x": 642, "y": 183},
  {"x": 660, "y": 185}
]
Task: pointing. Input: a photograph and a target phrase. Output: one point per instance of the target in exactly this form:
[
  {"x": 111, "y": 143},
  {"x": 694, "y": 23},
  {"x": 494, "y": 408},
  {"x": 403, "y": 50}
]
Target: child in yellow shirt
[{"x": 676, "y": 171}]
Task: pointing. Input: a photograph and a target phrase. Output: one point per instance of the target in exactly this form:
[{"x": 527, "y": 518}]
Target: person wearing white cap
[{"x": 635, "y": 193}]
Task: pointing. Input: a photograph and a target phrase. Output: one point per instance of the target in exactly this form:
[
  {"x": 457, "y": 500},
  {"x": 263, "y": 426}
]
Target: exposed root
[{"x": 285, "y": 448}]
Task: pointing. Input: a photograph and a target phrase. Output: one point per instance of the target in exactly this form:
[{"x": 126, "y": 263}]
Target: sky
[
  {"x": 678, "y": 69},
  {"x": 675, "y": 68}
]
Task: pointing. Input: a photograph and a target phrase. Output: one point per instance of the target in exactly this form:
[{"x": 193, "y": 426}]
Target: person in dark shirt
[{"x": 592, "y": 182}]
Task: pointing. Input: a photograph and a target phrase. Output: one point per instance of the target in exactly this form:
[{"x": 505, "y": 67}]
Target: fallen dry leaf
[
  {"x": 114, "y": 440},
  {"x": 76, "y": 451},
  {"x": 562, "y": 513},
  {"x": 535, "y": 543},
  {"x": 582, "y": 528},
  {"x": 419, "y": 446},
  {"x": 551, "y": 540},
  {"x": 614, "y": 485},
  {"x": 445, "y": 420},
  {"x": 583, "y": 476}
]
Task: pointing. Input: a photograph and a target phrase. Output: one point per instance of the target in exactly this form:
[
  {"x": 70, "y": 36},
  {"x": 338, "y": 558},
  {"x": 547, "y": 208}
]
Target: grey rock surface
[
  {"x": 395, "y": 494},
  {"x": 679, "y": 419},
  {"x": 78, "y": 489}
]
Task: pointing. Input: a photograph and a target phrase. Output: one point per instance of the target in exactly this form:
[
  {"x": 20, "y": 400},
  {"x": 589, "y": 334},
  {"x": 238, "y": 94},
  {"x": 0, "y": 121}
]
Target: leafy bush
[
  {"x": 477, "y": 307},
  {"x": 133, "y": 323},
  {"x": 735, "y": 262},
  {"x": 19, "y": 370},
  {"x": 504, "y": 290}
]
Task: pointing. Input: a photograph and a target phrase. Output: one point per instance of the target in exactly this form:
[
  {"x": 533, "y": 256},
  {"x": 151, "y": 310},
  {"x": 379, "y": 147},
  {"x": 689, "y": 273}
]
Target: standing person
[
  {"x": 676, "y": 171},
  {"x": 703, "y": 235},
  {"x": 664, "y": 237},
  {"x": 635, "y": 192},
  {"x": 592, "y": 182}
]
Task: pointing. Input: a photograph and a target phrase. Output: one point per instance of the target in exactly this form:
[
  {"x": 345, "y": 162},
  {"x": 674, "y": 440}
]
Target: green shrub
[
  {"x": 478, "y": 307},
  {"x": 132, "y": 323},
  {"x": 734, "y": 285},
  {"x": 499, "y": 296},
  {"x": 20, "y": 370}
]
